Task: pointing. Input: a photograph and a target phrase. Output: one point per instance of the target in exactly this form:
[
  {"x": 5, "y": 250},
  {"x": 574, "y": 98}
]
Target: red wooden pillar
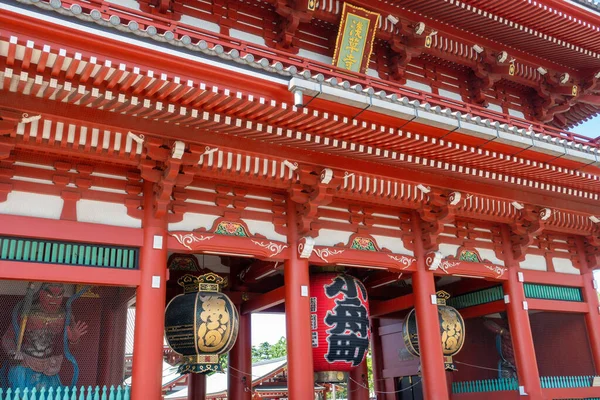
[
  {"x": 150, "y": 305},
  {"x": 518, "y": 319},
  {"x": 428, "y": 325},
  {"x": 239, "y": 374},
  {"x": 377, "y": 356},
  {"x": 592, "y": 318},
  {"x": 196, "y": 387},
  {"x": 297, "y": 317},
  {"x": 358, "y": 382}
]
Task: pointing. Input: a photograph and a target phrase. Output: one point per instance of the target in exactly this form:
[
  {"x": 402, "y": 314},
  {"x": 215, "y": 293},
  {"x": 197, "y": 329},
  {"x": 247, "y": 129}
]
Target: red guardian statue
[{"x": 38, "y": 340}]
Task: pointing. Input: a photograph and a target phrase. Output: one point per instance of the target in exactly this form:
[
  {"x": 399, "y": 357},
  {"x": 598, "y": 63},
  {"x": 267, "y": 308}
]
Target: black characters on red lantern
[{"x": 348, "y": 338}]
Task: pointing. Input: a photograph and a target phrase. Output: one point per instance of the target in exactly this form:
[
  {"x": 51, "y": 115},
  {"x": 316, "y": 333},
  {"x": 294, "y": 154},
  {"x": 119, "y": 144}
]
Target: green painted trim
[
  {"x": 552, "y": 382},
  {"x": 484, "y": 296},
  {"x": 67, "y": 393},
  {"x": 83, "y": 254},
  {"x": 550, "y": 292},
  {"x": 486, "y": 385}
]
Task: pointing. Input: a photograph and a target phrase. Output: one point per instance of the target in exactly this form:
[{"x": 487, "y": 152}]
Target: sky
[
  {"x": 590, "y": 128},
  {"x": 271, "y": 327}
]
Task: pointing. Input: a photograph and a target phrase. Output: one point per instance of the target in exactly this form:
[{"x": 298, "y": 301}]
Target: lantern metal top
[
  {"x": 210, "y": 282},
  {"x": 442, "y": 297}
]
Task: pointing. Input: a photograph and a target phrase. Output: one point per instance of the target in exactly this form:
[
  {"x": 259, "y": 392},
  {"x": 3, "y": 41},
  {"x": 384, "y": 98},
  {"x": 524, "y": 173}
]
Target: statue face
[{"x": 51, "y": 297}]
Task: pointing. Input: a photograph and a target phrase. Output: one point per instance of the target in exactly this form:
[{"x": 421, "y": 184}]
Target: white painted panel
[
  {"x": 564, "y": 266},
  {"x": 516, "y": 113},
  {"x": 209, "y": 26},
  {"x": 193, "y": 221},
  {"x": 100, "y": 212},
  {"x": 315, "y": 56},
  {"x": 247, "y": 37},
  {"x": 265, "y": 228},
  {"x": 32, "y": 205},
  {"x": 133, "y": 4},
  {"x": 534, "y": 262},
  {"x": 494, "y": 107},
  {"x": 490, "y": 255},
  {"x": 328, "y": 237},
  {"x": 394, "y": 244},
  {"x": 418, "y": 85},
  {"x": 448, "y": 249},
  {"x": 373, "y": 72},
  {"x": 449, "y": 94}
]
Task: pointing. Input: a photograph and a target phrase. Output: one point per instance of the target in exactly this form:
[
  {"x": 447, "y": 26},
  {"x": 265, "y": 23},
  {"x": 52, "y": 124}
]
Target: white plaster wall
[
  {"x": 448, "y": 249},
  {"x": 315, "y": 56},
  {"x": 418, "y": 85},
  {"x": 373, "y": 73},
  {"x": 328, "y": 237},
  {"x": 494, "y": 107},
  {"x": 247, "y": 37},
  {"x": 99, "y": 212},
  {"x": 516, "y": 113},
  {"x": 564, "y": 266},
  {"x": 490, "y": 255},
  {"x": 193, "y": 221},
  {"x": 394, "y": 244},
  {"x": 209, "y": 26},
  {"x": 132, "y": 4},
  {"x": 449, "y": 94},
  {"x": 32, "y": 205},
  {"x": 534, "y": 262},
  {"x": 264, "y": 228}
]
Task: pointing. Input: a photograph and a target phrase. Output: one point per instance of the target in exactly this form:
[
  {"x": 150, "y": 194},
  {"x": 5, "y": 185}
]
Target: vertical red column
[
  {"x": 197, "y": 387},
  {"x": 358, "y": 382},
  {"x": 239, "y": 374},
  {"x": 378, "y": 381},
  {"x": 150, "y": 305},
  {"x": 297, "y": 317},
  {"x": 590, "y": 294},
  {"x": 518, "y": 319},
  {"x": 428, "y": 325}
]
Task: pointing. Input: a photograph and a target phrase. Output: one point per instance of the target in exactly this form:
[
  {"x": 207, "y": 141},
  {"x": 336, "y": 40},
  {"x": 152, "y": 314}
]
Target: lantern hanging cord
[
  {"x": 478, "y": 366},
  {"x": 384, "y": 392}
]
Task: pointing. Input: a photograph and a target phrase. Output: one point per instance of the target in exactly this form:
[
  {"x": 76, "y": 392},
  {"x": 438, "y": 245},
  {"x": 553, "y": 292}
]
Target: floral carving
[
  {"x": 498, "y": 270},
  {"x": 327, "y": 252},
  {"x": 404, "y": 260},
  {"x": 189, "y": 238},
  {"x": 274, "y": 248},
  {"x": 445, "y": 265}
]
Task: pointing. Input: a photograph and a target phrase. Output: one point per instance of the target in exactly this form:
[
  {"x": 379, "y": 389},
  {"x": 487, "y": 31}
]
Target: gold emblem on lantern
[{"x": 213, "y": 331}]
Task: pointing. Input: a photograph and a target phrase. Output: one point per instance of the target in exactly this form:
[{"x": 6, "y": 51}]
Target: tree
[{"x": 266, "y": 351}]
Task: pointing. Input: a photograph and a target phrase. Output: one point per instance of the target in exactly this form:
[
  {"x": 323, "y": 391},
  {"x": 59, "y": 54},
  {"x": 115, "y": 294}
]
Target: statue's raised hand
[{"x": 75, "y": 332}]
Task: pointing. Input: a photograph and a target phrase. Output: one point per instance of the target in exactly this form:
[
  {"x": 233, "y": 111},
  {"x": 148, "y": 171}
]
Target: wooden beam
[
  {"x": 378, "y": 279},
  {"x": 590, "y": 99},
  {"x": 117, "y": 122},
  {"x": 381, "y": 308},
  {"x": 483, "y": 309},
  {"x": 557, "y": 306},
  {"x": 552, "y": 278},
  {"x": 265, "y": 301},
  {"x": 258, "y": 270},
  {"x": 43, "y": 228},
  {"x": 31, "y": 271}
]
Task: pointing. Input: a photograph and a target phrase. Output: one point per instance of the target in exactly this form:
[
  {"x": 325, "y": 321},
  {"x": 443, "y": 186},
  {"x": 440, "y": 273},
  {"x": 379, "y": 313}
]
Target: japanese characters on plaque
[
  {"x": 339, "y": 322},
  {"x": 354, "y": 43}
]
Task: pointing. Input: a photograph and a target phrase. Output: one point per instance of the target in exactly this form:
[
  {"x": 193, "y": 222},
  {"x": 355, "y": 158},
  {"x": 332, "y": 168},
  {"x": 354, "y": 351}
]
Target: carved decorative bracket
[
  {"x": 361, "y": 251},
  {"x": 229, "y": 237},
  {"x": 292, "y": 13},
  {"x": 466, "y": 262},
  {"x": 405, "y": 45},
  {"x": 437, "y": 211},
  {"x": 489, "y": 69},
  {"x": 526, "y": 227},
  {"x": 168, "y": 165},
  {"x": 314, "y": 189}
]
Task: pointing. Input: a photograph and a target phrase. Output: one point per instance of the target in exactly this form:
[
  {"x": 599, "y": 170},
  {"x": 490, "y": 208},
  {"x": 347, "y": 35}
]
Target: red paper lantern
[{"x": 340, "y": 322}]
